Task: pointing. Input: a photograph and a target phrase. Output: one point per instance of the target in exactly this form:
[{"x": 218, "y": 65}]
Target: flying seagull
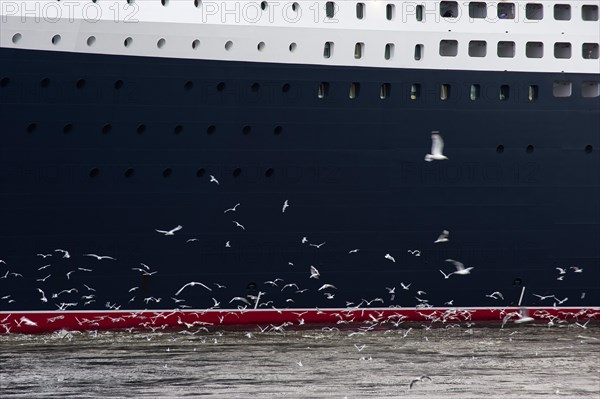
[
  {"x": 443, "y": 237},
  {"x": 232, "y": 209},
  {"x": 191, "y": 284},
  {"x": 286, "y": 205},
  {"x": 170, "y": 232},
  {"x": 213, "y": 180},
  {"x": 314, "y": 273},
  {"x": 460, "y": 268},
  {"x": 437, "y": 148},
  {"x": 100, "y": 257},
  {"x": 390, "y": 257},
  {"x": 238, "y": 225},
  {"x": 421, "y": 378}
]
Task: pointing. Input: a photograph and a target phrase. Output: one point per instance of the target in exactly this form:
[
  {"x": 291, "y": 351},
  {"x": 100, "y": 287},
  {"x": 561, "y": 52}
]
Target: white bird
[
  {"x": 213, "y": 180},
  {"x": 523, "y": 317},
  {"x": 561, "y": 278},
  {"x": 66, "y": 254},
  {"x": 239, "y": 298},
  {"x": 576, "y": 269},
  {"x": 219, "y": 285},
  {"x": 325, "y": 286},
  {"x": 354, "y": 251},
  {"x": 291, "y": 285},
  {"x": 421, "y": 293},
  {"x": 100, "y": 257},
  {"x": 543, "y": 297},
  {"x": 41, "y": 255},
  {"x": 443, "y": 237},
  {"x": 415, "y": 252},
  {"x": 437, "y": 148},
  {"x": 238, "y": 225},
  {"x": 6, "y": 275},
  {"x": 133, "y": 289},
  {"x": 43, "y": 279},
  {"x": 191, "y": 284},
  {"x": 16, "y": 274},
  {"x": 286, "y": 205},
  {"x": 390, "y": 257},
  {"x": 43, "y": 267},
  {"x": 314, "y": 273},
  {"x": 273, "y": 283},
  {"x": 421, "y": 378},
  {"x": 317, "y": 245},
  {"x": 496, "y": 295},
  {"x": 232, "y": 209},
  {"x": 191, "y": 240},
  {"x": 460, "y": 268},
  {"x": 89, "y": 288},
  {"x": 43, "y": 298},
  {"x": 329, "y": 295},
  {"x": 84, "y": 269},
  {"x": 144, "y": 272},
  {"x": 304, "y": 240},
  {"x": 169, "y": 232},
  {"x": 450, "y": 303},
  {"x": 405, "y": 287},
  {"x": 151, "y": 298},
  {"x": 360, "y": 348},
  {"x": 69, "y": 274},
  {"x": 446, "y": 276},
  {"x": 561, "y": 270},
  {"x": 228, "y": 244},
  {"x": 391, "y": 290}
]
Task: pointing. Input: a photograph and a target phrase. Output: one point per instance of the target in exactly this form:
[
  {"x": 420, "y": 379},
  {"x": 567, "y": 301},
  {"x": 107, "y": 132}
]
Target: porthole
[
  {"x": 530, "y": 149},
  {"x": 293, "y": 47},
  {"x": 55, "y": 39},
  {"x": 246, "y": 130},
  {"x": 500, "y": 149},
  {"x": 261, "y": 46},
  {"x": 178, "y": 129},
  {"x": 80, "y": 84},
  {"x": 196, "y": 44},
  {"x": 94, "y": 172},
  {"x": 285, "y": 88},
  {"x": 255, "y": 87},
  {"x": 68, "y": 128},
  {"x": 16, "y": 37},
  {"x": 263, "y": 5},
  {"x": 91, "y": 40},
  {"x": 295, "y": 7},
  {"x": 228, "y": 45},
  {"x": 129, "y": 172},
  {"x": 130, "y": 1},
  {"x": 45, "y": 82},
  {"x": 31, "y": 127},
  {"x": 197, "y": 3},
  {"x": 221, "y": 86},
  {"x": 588, "y": 149},
  {"x": 269, "y": 172},
  {"x": 161, "y": 43},
  {"x": 237, "y": 172},
  {"x": 4, "y": 82},
  {"x": 118, "y": 84},
  {"x": 167, "y": 172},
  {"x": 189, "y": 85},
  {"x": 106, "y": 128},
  {"x": 164, "y": 2},
  {"x": 128, "y": 42},
  {"x": 200, "y": 172},
  {"x": 278, "y": 130},
  {"x": 211, "y": 129},
  {"x": 141, "y": 129}
]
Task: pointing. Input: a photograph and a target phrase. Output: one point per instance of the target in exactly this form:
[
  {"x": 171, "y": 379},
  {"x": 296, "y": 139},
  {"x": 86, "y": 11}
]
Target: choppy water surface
[{"x": 463, "y": 362}]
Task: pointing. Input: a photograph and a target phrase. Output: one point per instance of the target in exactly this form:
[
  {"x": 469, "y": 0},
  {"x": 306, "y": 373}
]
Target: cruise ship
[{"x": 190, "y": 164}]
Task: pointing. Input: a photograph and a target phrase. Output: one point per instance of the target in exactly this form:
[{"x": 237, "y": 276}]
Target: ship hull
[{"x": 99, "y": 152}]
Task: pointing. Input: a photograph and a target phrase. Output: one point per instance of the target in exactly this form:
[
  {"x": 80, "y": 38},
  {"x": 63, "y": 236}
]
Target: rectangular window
[
  {"x": 415, "y": 91},
  {"x": 419, "y": 13},
  {"x": 354, "y": 90},
  {"x": 449, "y": 9},
  {"x": 328, "y": 50},
  {"x": 533, "y": 93},
  {"x": 448, "y": 48},
  {"x": 506, "y": 49},
  {"x": 562, "y": 88},
  {"x": 504, "y": 92},
  {"x": 562, "y": 12},
  {"x": 384, "y": 92},
  {"x": 562, "y": 50},
  {"x": 534, "y": 11},
  {"x": 358, "y": 50},
  {"x": 389, "y": 51},
  {"x": 534, "y": 49},
  {"x": 589, "y": 13},
  {"x": 475, "y": 92},
  {"x": 590, "y": 89},
  {"x": 360, "y": 10},
  {"x": 445, "y": 91},
  {"x": 506, "y": 10},
  {"x": 323, "y": 90},
  {"x": 589, "y": 51},
  {"x": 418, "y": 52},
  {"x": 390, "y": 11},
  {"x": 477, "y": 9},
  {"x": 330, "y": 9},
  {"x": 477, "y": 48}
]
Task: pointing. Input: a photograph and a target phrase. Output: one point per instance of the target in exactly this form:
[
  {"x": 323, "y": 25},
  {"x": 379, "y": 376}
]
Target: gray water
[{"x": 524, "y": 361}]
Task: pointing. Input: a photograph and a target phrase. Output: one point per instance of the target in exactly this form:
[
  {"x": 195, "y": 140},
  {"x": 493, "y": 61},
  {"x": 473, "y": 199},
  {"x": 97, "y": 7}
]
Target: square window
[
  {"x": 562, "y": 88},
  {"x": 590, "y": 51},
  {"x": 506, "y": 49},
  {"x": 448, "y": 48},
  {"x": 589, "y": 13},
  {"x": 506, "y": 10},
  {"x": 534, "y": 11},
  {"x": 534, "y": 49},
  {"x": 590, "y": 89},
  {"x": 477, "y": 9},
  {"x": 449, "y": 9},
  {"x": 477, "y": 48},
  {"x": 562, "y": 50},
  {"x": 562, "y": 12}
]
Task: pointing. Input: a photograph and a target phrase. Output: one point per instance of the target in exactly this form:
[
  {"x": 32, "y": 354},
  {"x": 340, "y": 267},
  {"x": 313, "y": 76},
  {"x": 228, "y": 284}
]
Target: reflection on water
[{"x": 462, "y": 361}]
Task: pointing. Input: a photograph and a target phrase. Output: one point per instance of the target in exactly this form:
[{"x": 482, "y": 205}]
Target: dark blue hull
[{"x": 99, "y": 151}]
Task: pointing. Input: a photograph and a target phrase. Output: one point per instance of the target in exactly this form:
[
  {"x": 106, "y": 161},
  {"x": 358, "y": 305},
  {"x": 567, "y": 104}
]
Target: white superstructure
[{"x": 531, "y": 36}]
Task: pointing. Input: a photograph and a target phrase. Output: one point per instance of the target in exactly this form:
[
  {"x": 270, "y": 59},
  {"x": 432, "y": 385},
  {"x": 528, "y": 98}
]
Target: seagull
[
  {"x": 304, "y": 240},
  {"x": 100, "y": 257},
  {"x": 228, "y": 244},
  {"x": 446, "y": 276},
  {"x": 329, "y": 295},
  {"x": 16, "y": 274},
  {"x": 404, "y": 286},
  {"x": 238, "y": 225},
  {"x": 43, "y": 279},
  {"x": 354, "y": 251},
  {"x": 415, "y": 252},
  {"x": 66, "y": 254},
  {"x": 6, "y": 275},
  {"x": 239, "y": 298},
  {"x": 169, "y": 232},
  {"x": 232, "y": 209},
  {"x": 360, "y": 348},
  {"x": 213, "y": 180},
  {"x": 144, "y": 272},
  {"x": 286, "y": 205},
  {"x": 391, "y": 290},
  {"x": 43, "y": 298},
  {"x": 437, "y": 148},
  {"x": 89, "y": 288},
  {"x": 191, "y": 240},
  {"x": 41, "y": 255},
  {"x": 273, "y": 283},
  {"x": 390, "y": 257},
  {"x": 421, "y": 293},
  {"x": 443, "y": 237},
  {"x": 523, "y": 317},
  {"x": 84, "y": 269},
  {"x": 191, "y": 284},
  {"x": 317, "y": 245},
  {"x": 460, "y": 268},
  {"x": 450, "y": 303},
  {"x": 69, "y": 274},
  {"x": 561, "y": 270},
  {"x": 576, "y": 269},
  {"x": 219, "y": 285},
  {"x": 420, "y": 379},
  {"x": 133, "y": 289},
  {"x": 292, "y": 285},
  {"x": 325, "y": 286},
  {"x": 496, "y": 295},
  {"x": 314, "y": 273}
]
